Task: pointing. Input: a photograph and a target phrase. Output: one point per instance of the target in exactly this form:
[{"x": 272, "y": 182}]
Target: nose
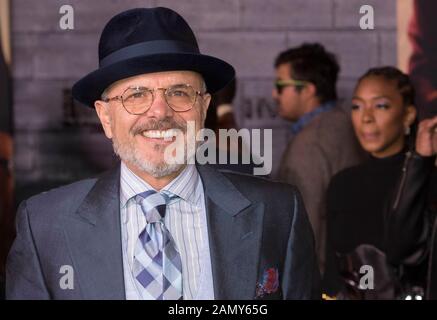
[
  {"x": 159, "y": 108},
  {"x": 367, "y": 116}
]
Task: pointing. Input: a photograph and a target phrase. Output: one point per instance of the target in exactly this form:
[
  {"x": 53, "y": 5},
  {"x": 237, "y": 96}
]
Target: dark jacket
[
  {"x": 412, "y": 227},
  {"x": 376, "y": 218},
  {"x": 254, "y": 226}
]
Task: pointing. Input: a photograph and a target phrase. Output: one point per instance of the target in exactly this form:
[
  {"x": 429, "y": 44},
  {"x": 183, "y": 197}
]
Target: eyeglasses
[
  {"x": 137, "y": 100},
  {"x": 281, "y": 84}
]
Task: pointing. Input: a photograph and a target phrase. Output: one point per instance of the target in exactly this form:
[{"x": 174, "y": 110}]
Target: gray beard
[{"x": 129, "y": 154}]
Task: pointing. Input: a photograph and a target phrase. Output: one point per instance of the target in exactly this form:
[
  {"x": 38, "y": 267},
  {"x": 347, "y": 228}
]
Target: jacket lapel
[
  {"x": 94, "y": 240},
  {"x": 235, "y": 229}
]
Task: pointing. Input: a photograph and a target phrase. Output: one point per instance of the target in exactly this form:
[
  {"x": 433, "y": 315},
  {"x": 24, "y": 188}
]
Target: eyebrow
[
  {"x": 171, "y": 85},
  {"x": 133, "y": 87},
  {"x": 374, "y": 98}
]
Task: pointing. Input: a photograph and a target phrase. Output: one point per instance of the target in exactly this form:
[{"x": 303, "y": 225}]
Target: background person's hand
[{"x": 426, "y": 140}]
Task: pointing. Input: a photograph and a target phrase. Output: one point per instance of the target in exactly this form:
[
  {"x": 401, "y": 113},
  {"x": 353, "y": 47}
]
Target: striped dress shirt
[{"x": 186, "y": 221}]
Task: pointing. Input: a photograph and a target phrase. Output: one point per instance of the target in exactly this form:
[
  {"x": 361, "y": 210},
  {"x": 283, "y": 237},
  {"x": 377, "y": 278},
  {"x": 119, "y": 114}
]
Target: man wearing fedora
[{"x": 150, "y": 229}]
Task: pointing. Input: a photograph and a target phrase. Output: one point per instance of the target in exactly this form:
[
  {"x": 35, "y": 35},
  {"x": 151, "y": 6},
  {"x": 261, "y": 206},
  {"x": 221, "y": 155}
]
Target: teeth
[{"x": 160, "y": 134}]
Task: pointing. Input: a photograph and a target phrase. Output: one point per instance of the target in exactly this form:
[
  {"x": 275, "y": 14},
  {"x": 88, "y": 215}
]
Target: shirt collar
[
  {"x": 307, "y": 117},
  {"x": 184, "y": 185}
]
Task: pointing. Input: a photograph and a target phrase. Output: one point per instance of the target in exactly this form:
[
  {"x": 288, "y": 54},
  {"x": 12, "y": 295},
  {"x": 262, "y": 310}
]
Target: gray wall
[{"x": 57, "y": 141}]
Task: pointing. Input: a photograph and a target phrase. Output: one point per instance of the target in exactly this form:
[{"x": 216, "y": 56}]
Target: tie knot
[{"x": 153, "y": 204}]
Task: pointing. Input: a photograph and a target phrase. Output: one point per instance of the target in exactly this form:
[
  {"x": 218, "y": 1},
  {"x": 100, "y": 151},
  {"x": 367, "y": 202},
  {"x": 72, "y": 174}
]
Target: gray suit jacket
[
  {"x": 324, "y": 147},
  {"x": 258, "y": 234}
]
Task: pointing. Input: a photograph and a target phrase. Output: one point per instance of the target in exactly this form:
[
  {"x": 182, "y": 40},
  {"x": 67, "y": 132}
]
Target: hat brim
[{"x": 216, "y": 73}]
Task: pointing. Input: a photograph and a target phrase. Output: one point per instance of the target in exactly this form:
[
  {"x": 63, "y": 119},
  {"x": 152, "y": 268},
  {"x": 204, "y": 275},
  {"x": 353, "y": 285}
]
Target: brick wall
[{"x": 54, "y": 147}]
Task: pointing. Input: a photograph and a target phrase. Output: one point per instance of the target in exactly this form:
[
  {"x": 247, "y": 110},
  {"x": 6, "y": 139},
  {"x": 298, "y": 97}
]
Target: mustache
[{"x": 158, "y": 125}]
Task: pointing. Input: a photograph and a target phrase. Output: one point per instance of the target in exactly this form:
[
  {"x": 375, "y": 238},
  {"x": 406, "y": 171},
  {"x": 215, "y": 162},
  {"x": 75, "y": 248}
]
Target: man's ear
[
  {"x": 206, "y": 100},
  {"x": 103, "y": 112},
  {"x": 310, "y": 90}
]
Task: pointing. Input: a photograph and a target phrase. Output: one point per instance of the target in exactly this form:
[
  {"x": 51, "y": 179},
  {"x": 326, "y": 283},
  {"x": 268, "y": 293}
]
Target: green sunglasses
[{"x": 281, "y": 84}]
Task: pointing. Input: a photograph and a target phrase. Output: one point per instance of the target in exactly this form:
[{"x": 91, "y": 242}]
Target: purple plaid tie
[{"x": 157, "y": 264}]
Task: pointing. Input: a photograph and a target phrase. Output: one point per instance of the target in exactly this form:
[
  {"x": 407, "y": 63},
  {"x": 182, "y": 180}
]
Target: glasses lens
[
  {"x": 137, "y": 100},
  {"x": 278, "y": 88},
  {"x": 181, "y": 97}
]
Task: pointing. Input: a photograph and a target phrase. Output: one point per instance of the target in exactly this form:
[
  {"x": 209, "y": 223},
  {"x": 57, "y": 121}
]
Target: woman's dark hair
[
  {"x": 406, "y": 90},
  {"x": 311, "y": 62},
  {"x": 404, "y": 85}
]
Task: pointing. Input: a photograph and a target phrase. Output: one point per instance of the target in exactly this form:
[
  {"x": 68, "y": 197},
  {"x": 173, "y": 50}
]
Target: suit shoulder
[
  {"x": 61, "y": 197},
  {"x": 334, "y": 121},
  {"x": 259, "y": 185},
  {"x": 324, "y": 133}
]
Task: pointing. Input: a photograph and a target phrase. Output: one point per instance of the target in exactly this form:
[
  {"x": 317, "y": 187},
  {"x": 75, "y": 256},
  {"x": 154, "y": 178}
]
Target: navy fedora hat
[{"x": 146, "y": 40}]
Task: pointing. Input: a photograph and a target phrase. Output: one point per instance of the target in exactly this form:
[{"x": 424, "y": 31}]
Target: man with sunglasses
[
  {"x": 153, "y": 229},
  {"x": 323, "y": 141}
]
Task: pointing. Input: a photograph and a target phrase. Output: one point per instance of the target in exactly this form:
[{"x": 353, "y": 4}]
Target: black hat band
[{"x": 148, "y": 48}]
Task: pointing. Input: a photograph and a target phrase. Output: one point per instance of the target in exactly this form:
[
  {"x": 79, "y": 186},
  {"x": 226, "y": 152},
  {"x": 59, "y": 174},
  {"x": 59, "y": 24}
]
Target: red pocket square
[{"x": 269, "y": 283}]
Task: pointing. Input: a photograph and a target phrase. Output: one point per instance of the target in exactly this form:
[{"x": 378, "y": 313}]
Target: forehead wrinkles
[{"x": 160, "y": 80}]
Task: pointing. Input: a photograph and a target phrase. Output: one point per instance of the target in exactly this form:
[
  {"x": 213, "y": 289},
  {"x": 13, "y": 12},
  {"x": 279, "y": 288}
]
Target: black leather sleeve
[{"x": 406, "y": 220}]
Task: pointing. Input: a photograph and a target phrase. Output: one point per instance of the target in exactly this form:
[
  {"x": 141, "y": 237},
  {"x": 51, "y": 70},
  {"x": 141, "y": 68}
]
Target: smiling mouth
[{"x": 161, "y": 134}]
